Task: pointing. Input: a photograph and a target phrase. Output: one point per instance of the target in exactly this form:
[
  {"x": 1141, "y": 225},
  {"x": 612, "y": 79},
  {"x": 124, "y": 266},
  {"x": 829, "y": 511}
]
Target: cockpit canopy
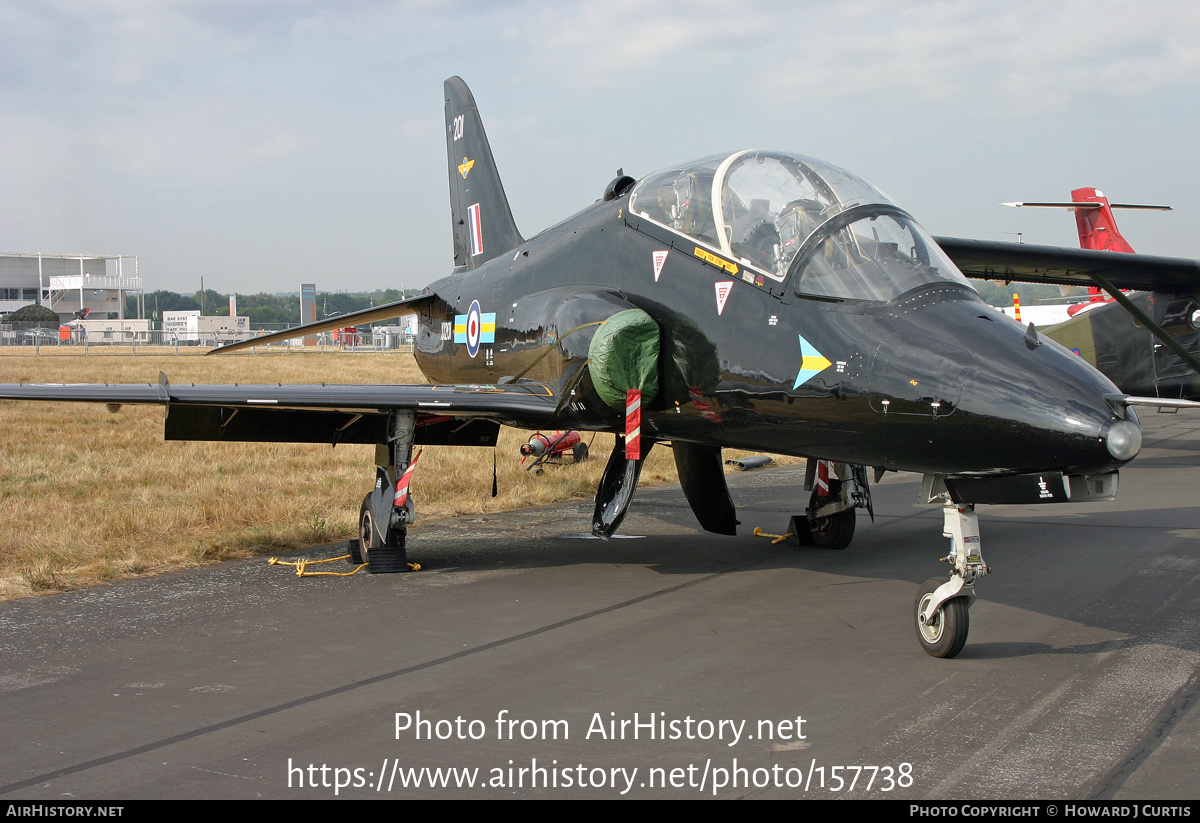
[{"x": 796, "y": 219}]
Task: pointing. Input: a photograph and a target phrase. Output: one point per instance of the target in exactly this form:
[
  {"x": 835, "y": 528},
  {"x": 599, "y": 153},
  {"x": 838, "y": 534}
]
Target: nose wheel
[
  {"x": 944, "y": 632},
  {"x": 941, "y": 609}
]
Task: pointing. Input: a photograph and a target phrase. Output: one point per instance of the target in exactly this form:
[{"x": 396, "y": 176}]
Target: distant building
[
  {"x": 66, "y": 283},
  {"x": 308, "y": 303},
  {"x": 190, "y": 326}
]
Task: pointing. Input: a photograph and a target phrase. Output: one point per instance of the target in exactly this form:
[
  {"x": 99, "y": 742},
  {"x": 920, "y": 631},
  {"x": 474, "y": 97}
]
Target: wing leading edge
[
  {"x": 355, "y": 318},
  {"x": 998, "y": 260}
]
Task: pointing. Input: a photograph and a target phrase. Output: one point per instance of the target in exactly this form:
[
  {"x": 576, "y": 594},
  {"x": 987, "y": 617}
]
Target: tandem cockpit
[{"x": 814, "y": 229}]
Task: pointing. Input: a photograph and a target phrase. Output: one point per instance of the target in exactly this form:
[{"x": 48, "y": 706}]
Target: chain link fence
[{"x": 38, "y": 338}]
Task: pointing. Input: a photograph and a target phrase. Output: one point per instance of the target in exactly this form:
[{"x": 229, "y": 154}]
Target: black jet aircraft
[{"x": 754, "y": 300}]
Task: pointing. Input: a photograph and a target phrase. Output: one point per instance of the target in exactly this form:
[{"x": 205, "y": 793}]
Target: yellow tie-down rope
[
  {"x": 779, "y": 538},
  {"x": 302, "y": 566}
]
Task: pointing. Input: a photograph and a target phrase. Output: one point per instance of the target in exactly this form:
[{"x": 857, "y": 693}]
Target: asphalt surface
[{"x": 670, "y": 663}]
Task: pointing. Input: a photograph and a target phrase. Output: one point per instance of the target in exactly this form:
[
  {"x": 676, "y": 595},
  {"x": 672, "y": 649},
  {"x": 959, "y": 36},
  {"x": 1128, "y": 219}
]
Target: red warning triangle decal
[
  {"x": 659, "y": 258},
  {"x": 723, "y": 289}
]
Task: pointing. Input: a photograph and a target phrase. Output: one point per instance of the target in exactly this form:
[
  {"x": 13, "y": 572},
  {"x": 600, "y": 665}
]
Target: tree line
[{"x": 1031, "y": 294}]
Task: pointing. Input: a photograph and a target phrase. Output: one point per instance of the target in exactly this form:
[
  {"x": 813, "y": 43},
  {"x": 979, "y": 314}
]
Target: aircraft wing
[
  {"x": 317, "y": 413},
  {"x": 354, "y": 318},
  {"x": 999, "y": 260}
]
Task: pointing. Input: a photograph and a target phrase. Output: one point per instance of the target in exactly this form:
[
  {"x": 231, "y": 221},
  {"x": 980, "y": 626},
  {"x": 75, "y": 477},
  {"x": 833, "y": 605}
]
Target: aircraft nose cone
[
  {"x": 1056, "y": 407},
  {"x": 1046, "y": 423},
  {"x": 975, "y": 395}
]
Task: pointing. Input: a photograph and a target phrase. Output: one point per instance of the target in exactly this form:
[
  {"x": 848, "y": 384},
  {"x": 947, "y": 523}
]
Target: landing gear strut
[
  {"x": 942, "y": 604},
  {"x": 384, "y": 516}
]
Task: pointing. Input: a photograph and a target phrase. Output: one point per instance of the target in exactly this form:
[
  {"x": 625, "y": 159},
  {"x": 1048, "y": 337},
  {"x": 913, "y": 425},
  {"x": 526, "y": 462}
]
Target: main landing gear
[
  {"x": 387, "y": 510},
  {"x": 838, "y": 489},
  {"x": 942, "y": 604}
]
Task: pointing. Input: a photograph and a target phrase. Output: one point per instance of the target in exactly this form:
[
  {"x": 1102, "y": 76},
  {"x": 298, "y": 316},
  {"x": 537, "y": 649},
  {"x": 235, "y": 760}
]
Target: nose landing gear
[{"x": 942, "y": 616}]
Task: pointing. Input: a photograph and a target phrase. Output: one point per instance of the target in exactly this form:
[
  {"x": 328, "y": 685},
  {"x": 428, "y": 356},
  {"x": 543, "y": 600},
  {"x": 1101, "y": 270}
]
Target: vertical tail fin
[
  {"x": 1096, "y": 224},
  {"x": 483, "y": 224}
]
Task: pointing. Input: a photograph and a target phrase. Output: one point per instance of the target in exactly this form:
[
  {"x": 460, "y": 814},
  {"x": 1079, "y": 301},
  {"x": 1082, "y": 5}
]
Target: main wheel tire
[
  {"x": 835, "y": 531},
  {"x": 367, "y": 535},
  {"x": 946, "y": 633},
  {"x": 380, "y": 558}
]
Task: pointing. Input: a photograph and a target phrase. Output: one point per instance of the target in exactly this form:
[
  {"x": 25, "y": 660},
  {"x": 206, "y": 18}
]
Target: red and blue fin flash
[{"x": 812, "y": 362}]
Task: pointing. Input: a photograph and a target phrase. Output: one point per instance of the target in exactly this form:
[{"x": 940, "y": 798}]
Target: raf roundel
[{"x": 474, "y": 327}]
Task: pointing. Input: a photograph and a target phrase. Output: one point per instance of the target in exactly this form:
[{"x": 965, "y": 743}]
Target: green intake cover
[{"x": 624, "y": 355}]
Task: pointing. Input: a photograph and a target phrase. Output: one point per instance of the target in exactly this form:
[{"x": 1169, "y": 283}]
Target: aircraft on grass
[
  {"x": 1147, "y": 342},
  {"x": 755, "y": 300}
]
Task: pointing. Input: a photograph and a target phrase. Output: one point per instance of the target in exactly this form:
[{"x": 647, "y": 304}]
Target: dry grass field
[{"x": 88, "y": 496}]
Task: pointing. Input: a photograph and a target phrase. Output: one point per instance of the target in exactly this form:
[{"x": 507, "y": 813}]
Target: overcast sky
[{"x": 265, "y": 143}]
